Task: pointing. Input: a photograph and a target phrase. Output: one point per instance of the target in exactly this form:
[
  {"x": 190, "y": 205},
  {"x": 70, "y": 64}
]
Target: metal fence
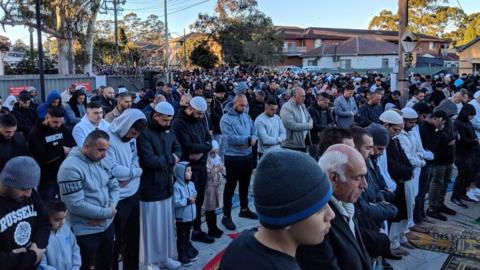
[{"x": 61, "y": 82}]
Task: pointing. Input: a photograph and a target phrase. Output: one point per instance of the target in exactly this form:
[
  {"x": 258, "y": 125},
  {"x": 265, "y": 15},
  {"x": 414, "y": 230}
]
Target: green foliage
[
  {"x": 470, "y": 34},
  {"x": 203, "y": 57},
  {"x": 20, "y": 46},
  {"x": 248, "y": 37}
]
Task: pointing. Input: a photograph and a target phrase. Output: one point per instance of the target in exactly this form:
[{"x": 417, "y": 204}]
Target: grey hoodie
[
  {"x": 88, "y": 188},
  {"x": 123, "y": 155},
  {"x": 184, "y": 210}
]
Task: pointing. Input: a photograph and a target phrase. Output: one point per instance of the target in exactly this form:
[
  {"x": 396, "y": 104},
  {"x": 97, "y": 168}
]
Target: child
[
  {"x": 213, "y": 194},
  {"x": 62, "y": 252},
  {"x": 184, "y": 196}
]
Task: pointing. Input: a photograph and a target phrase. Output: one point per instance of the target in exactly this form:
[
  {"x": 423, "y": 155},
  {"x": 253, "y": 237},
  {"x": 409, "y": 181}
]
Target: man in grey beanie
[
  {"x": 290, "y": 215},
  {"x": 24, "y": 223}
]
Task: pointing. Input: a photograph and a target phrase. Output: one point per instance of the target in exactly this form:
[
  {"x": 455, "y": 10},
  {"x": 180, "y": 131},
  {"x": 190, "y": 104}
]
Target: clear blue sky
[{"x": 304, "y": 13}]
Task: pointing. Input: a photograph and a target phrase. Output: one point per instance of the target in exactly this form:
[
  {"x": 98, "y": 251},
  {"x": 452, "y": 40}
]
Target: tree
[
  {"x": 428, "y": 17},
  {"x": 470, "y": 34},
  {"x": 20, "y": 46},
  {"x": 248, "y": 37},
  {"x": 203, "y": 57}
]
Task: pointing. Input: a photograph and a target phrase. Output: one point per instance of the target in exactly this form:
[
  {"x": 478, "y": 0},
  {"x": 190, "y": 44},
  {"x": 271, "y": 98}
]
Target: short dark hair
[
  {"x": 8, "y": 120},
  {"x": 323, "y": 95},
  {"x": 123, "y": 95},
  {"x": 139, "y": 125},
  {"x": 331, "y": 136},
  {"x": 94, "y": 105},
  {"x": 95, "y": 136},
  {"x": 358, "y": 136},
  {"x": 55, "y": 206},
  {"x": 271, "y": 101},
  {"x": 56, "y": 112}
]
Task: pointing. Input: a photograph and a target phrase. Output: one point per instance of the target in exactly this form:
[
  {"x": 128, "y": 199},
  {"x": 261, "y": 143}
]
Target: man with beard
[
  {"x": 345, "y": 107},
  {"x": 12, "y": 143},
  {"x": 26, "y": 116},
  {"x": 124, "y": 101},
  {"x": 240, "y": 135},
  {"x": 50, "y": 142},
  {"x": 122, "y": 154},
  {"x": 91, "y": 121},
  {"x": 370, "y": 112},
  {"x": 106, "y": 99},
  {"x": 25, "y": 226},
  {"x": 192, "y": 134},
  {"x": 216, "y": 113}
]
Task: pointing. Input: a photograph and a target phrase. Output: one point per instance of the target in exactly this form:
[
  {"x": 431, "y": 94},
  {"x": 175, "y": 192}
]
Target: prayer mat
[
  {"x": 449, "y": 237},
  {"x": 454, "y": 262}
]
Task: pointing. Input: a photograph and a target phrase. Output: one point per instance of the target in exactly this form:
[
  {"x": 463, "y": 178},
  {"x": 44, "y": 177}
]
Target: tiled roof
[{"x": 461, "y": 48}]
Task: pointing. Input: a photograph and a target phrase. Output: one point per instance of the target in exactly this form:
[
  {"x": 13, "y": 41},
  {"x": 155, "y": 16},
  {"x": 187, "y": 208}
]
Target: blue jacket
[
  {"x": 182, "y": 190},
  {"x": 43, "y": 108},
  {"x": 236, "y": 130},
  {"x": 62, "y": 251}
]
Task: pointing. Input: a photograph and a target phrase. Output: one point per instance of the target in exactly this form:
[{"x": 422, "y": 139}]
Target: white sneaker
[
  {"x": 172, "y": 264},
  {"x": 153, "y": 267},
  {"x": 472, "y": 196},
  {"x": 475, "y": 191}
]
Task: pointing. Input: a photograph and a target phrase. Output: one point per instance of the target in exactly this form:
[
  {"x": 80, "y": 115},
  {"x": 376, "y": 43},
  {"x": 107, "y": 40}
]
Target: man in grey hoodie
[
  {"x": 90, "y": 191},
  {"x": 122, "y": 154},
  {"x": 240, "y": 135}
]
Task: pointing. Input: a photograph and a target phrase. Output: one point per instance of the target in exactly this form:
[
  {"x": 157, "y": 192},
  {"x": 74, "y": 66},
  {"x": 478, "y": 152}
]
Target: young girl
[{"x": 213, "y": 194}]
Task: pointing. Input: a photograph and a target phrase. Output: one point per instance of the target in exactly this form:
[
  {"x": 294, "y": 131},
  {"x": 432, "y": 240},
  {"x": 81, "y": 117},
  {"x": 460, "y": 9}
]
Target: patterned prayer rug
[{"x": 454, "y": 262}]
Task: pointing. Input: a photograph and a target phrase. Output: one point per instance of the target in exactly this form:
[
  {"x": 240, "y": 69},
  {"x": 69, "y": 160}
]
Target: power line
[
  {"x": 460, "y": 5},
  {"x": 187, "y": 7}
]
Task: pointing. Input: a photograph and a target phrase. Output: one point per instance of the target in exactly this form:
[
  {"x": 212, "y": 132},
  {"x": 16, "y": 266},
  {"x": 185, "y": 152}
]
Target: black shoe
[
  {"x": 465, "y": 198},
  {"x": 228, "y": 223},
  {"x": 246, "y": 213},
  {"x": 199, "y": 236},
  {"x": 444, "y": 209},
  {"x": 215, "y": 232},
  {"x": 459, "y": 202},
  {"x": 386, "y": 265},
  {"x": 184, "y": 260},
  {"x": 192, "y": 252},
  {"x": 436, "y": 214}
]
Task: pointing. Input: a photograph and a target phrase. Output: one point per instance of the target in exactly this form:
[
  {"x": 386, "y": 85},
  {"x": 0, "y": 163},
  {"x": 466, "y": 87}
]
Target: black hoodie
[{"x": 26, "y": 118}]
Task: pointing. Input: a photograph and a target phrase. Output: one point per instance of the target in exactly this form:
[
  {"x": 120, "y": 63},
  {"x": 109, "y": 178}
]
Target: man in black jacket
[
  {"x": 216, "y": 113},
  {"x": 26, "y": 116},
  {"x": 50, "y": 142},
  {"x": 343, "y": 247},
  {"x": 158, "y": 152},
  {"x": 12, "y": 143},
  {"x": 24, "y": 222},
  {"x": 370, "y": 112},
  {"x": 192, "y": 133},
  {"x": 107, "y": 99},
  {"x": 322, "y": 118}
]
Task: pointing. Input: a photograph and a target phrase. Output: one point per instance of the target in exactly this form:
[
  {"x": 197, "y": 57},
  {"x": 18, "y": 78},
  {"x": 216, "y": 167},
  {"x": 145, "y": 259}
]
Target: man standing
[
  {"x": 345, "y": 107},
  {"x": 370, "y": 112},
  {"x": 26, "y": 116},
  {"x": 476, "y": 119},
  {"x": 67, "y": 93},
  {"x": 297, "y": 121},
  {"x": 172, "y": 97},
  {"x": 192, "y": 134},
  {"x": 240, "y": 135},
  {"x": 343, "y": 247},
  {"x": 93, "y": 120},
  {"x": 122, "y": 154},
  {"x": 91, "y": 199},
  {"x": 50, "y": 142},
  {"x": 418, "y": 97},
  {"x": 270, "y": 130},
  {"x": 106, "y": 99},
  {"x": 322, "y": 118},
  {"x": 12, "y": 143},
  {"x": 158, "y": 152},
  {"x": 124, "y": 101}
]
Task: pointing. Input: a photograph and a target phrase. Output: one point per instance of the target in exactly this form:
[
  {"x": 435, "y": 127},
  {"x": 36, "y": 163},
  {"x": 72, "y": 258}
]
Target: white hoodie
[{"x": 123, "y": 155}]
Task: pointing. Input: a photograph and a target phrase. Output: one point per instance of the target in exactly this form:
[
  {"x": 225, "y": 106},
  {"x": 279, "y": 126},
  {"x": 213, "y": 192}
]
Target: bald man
[
  {"x": 297, "y": 121},
  {"x": 343, "y": 247}
]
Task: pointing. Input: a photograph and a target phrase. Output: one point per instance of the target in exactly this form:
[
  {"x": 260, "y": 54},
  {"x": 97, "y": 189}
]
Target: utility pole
[
  {"x": 184, "y": 48},
  {"x": 30, "y": 29},
  {"x": 115, "y": 25},
  {"x": 40, "y": 48},
  {"x": 167, "y": 53},
  {"x": 402, "y": 78}
]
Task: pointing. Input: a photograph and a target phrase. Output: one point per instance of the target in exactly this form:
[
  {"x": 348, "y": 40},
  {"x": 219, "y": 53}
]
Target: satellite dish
[{"x": 409, "y": 41}]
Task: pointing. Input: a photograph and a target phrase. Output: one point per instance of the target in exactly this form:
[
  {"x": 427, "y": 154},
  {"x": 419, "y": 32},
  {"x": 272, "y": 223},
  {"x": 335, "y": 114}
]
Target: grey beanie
[
  {"x": 21, "y": 172},
  {"x": 240, "y": 88},
  {"x": 379, "y": 134},
  {"x": 289, "y": 187}
]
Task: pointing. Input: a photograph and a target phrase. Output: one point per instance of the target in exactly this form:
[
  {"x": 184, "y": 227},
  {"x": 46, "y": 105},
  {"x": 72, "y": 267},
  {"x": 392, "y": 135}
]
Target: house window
[
  {"x": 384, "y": 62},
  {"x": 317, "y": 43},
  {"x": 431, "y": 45},
  {"x": 346, "y": 64}
]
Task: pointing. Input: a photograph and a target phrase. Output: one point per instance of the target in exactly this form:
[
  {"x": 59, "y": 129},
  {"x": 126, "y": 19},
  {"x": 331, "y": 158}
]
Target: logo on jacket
[{"x": 22, "y": 233}]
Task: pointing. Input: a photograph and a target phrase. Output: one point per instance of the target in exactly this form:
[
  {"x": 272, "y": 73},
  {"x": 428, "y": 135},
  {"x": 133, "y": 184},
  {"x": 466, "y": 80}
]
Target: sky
[{"x": 304, "y": 13}]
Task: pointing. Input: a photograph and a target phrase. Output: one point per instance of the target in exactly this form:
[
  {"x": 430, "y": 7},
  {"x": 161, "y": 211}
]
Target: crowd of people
[
  {"x": 124, "y": 70},
  {"x": 341, "y": 170}
]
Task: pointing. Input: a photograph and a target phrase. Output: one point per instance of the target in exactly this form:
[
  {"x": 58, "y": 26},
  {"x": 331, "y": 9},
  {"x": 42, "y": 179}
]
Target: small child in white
[
  {"x": 62, "y": 252},
  {"x": 213, "y": 193},
  {"x": 184, "y": 196}
]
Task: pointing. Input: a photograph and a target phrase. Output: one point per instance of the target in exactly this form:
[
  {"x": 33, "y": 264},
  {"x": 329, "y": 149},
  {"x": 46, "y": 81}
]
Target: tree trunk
[
  {"x": 88, "y": 55},
  {"x": 62, "y": 49},
  {"x": 70, "y": 54}
]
